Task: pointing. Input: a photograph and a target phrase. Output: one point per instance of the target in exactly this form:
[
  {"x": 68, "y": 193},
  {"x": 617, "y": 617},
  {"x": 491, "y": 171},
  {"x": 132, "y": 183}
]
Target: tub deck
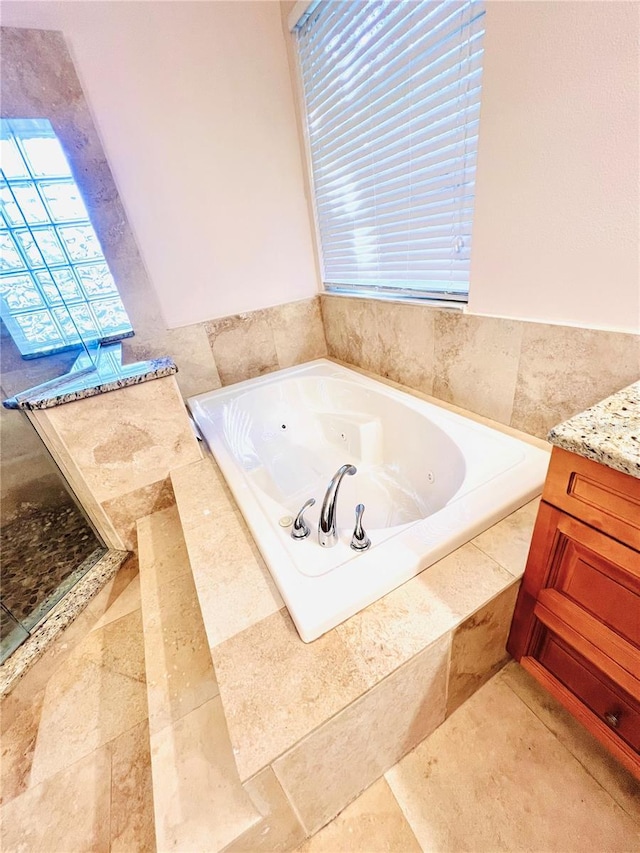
[
  {"x": 331, "y": 716},
  {"x": 431, "y": 479}
]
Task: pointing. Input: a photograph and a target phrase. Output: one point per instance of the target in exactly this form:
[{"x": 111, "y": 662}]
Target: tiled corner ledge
[
  {"x": 329, "y": 717},
  {"x": 115, "y": 454},
  {"x": 96, "y": 372},
  {"x": 115, "y": 450}
]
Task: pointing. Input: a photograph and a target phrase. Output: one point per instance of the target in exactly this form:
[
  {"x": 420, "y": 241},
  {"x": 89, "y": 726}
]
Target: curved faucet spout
[{"x": 327, "y": 533}]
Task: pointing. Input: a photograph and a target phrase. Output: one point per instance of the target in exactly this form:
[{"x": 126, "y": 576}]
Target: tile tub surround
[
  {"x": 116, "y": 450},
  {"x": 258, "y": 342},
  {"x": 198, "y": 798},
  {"x": 608, "y": 432},
  {"x": 525, "y": 374},
  {"x": 191, "y": 758},
  {"x": 317, "y": 713},
  {"x": 240, "y": 346}
]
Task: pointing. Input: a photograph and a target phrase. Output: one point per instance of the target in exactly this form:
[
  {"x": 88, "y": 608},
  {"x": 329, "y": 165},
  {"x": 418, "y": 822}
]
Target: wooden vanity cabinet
[{"x": 576, "y": 626}]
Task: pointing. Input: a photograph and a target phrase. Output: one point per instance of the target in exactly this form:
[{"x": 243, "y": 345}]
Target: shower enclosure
[
  {"x": 46, "y": 541},
  {"x": 57, "y": 302}
]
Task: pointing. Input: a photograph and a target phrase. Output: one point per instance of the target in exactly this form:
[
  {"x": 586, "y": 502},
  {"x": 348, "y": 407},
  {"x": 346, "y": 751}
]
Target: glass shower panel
[
  {"x": 47, "y": 543},
  {"x": 12, "y": 634}
]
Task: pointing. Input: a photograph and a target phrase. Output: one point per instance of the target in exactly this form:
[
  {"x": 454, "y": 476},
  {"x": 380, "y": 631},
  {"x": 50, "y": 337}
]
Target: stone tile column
[{"x": 116, "y": 451}]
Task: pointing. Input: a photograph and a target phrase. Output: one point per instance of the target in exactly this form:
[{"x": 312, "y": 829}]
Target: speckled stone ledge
[
  {"x": 608, "y": 432},
  {"x": 62, "y": 615},
  {"x": 88, "y": 379}
]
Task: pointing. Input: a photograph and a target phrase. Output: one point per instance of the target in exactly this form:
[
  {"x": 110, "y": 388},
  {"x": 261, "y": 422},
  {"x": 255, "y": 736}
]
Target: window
[
  {"x": 56, "y": 289},
  {"x": 392, "y": 96}
]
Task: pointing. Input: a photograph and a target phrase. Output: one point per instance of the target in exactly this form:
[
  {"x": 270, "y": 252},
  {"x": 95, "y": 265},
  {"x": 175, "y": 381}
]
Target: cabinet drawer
[
  {"x": 616, "y": 708},
  {"x": 606, "y": 499}
]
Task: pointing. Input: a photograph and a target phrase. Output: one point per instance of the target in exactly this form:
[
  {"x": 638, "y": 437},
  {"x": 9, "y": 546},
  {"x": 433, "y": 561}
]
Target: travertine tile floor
[
  {"x": 509, "y": 770},
  {"x": 75, "y": 744}
]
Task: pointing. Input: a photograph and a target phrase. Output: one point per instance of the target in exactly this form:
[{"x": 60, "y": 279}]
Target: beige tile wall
[
  {"x": 528, "y": 375},
  {"x": 248, "y": 345}
]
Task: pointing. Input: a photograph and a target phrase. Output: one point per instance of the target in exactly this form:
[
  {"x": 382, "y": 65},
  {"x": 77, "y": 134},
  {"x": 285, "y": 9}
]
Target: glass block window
[{"x": 56, "y": 289}]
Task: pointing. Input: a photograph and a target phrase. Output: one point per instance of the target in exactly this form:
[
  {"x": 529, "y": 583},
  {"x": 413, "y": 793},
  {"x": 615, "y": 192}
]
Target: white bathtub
[{"x": 430, "y": 480}]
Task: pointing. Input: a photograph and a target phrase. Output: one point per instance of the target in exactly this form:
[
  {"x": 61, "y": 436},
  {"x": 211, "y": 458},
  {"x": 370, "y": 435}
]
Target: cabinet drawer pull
[{"x": 612, "y": 719}]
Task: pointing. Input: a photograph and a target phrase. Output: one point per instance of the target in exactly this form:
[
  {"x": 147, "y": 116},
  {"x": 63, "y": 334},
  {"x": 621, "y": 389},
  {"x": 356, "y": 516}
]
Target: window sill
[{"x": 446, "y": 304}]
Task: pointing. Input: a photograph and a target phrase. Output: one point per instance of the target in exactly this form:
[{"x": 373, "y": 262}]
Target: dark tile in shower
[{"x": 43, "y": 553}]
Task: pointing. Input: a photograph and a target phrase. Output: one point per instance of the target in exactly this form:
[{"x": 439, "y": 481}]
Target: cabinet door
[
  {"x": 543, "y": 545},
  {"x": 595, "y": 582},
  {"x": 599, "y": 575}
]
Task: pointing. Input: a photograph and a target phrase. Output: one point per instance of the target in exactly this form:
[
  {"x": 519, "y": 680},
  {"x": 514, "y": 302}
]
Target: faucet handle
[
  {"x": 300, "y": 528},
  {"x": 360, "y": 541}
]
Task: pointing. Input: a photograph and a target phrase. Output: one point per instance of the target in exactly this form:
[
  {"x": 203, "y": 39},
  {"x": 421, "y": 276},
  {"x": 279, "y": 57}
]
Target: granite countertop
[
  {"x": 95, "y": 372},
  {"x": 608, "y": 432}
]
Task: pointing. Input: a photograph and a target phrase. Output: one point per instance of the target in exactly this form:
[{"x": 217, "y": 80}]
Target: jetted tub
[{"x": 430, "y": 480}]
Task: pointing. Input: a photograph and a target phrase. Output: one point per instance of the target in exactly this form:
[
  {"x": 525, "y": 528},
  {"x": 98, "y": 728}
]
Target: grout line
[
  {"x": 126, "y": 731},
  {"x": 110, "y": 805},
  {"x": 289, "y": 800},
  {"x": 447, "y": 684},
  {"x": 113, "y": 669},
  {"x": 503, "y": 569},
  {"x": 97, "y": 627},
  {"x": 570, "y": 752},
  {"x": 174, "y": 722},
  {"x": 106, "y": 745},
  {"x": 359, "y": 698},
  {"x": 399, "y": 804}
]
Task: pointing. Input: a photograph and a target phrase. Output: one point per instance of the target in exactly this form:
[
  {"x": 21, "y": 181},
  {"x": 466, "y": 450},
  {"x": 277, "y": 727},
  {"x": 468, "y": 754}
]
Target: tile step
[
  {"x": 199, "y": 802},
  {"x": 301, "y": 716}
]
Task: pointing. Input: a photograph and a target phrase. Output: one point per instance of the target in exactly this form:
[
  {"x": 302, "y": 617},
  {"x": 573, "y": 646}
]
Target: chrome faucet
[
  {"x": 327, "y": 533},
  {"x": 360, "y": 541},
  {"x": 301, "y": 529}
]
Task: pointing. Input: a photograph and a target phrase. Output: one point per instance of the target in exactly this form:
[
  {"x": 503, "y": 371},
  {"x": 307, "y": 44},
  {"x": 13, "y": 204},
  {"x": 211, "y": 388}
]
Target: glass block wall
[{"x": 56, "y": 290}]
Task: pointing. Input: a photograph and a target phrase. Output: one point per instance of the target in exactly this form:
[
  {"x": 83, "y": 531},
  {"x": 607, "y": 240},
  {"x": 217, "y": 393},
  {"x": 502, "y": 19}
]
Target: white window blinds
[{"x": 392, "y": 93}]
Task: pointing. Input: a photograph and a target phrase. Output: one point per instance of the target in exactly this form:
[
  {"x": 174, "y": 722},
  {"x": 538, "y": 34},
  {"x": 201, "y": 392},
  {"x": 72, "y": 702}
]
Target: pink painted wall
[
  {"x": 556, "y": 227},
  {"x": 194, "y": 105}
]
